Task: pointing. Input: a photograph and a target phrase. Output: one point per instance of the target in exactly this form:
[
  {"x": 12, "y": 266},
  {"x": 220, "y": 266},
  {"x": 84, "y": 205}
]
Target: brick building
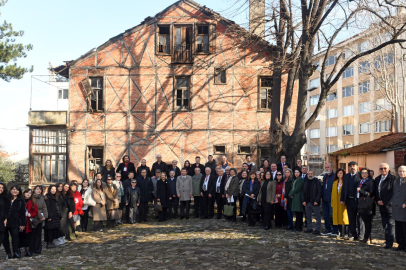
[{"x": 184, "y": 83}]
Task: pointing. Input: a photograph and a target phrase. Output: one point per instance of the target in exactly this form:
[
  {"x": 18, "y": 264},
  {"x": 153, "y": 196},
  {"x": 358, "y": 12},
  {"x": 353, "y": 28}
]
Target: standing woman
[
  {"x": 31, "y": 212},
  {"x": 280, "y": 213},
  {"x": 188, "y": 168},
  {"x": 297, "y": 206},
  {"x": 36, "y": 243},
  {"x": 366, "y": 190},
  {"x": 232, "y": 191},
  {"x": 267, "y": 198},
  {"x": 67, "y": 215},
  {"x": 53, "y": 222},
  {"x": 77, "y": 197},
  {"x": 266, "y": 166},
  {"x": 258, "y": 175},
  {"x": 99, "y": 210},
  {"x": 244, "y": 177},
  {"x": 62, "y": 210},
  {"x": 340, "y": 216},
  {"x": 3, "y": 210},
  {"x": 287, "y": 199},
  {"x": 16, "y": 221},
  {"x": 85, "y": 192},
  {"x": 251, "y": 188},
  {"x": 107, "y": 170},
  {"x": 112, "y": 205},
  {"x": 162, "y": 196}
]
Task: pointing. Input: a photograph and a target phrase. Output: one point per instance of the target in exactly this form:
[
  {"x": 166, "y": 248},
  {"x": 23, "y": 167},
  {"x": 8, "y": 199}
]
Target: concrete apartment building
[{"x": 356, "y": 110}]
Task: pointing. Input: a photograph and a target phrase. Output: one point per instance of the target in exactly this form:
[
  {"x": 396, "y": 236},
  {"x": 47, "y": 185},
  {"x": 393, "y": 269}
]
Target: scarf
[{"x": 283, "y": 204}]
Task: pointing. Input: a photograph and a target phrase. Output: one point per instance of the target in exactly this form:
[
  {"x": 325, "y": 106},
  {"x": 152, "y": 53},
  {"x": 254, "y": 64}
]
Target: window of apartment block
[
  {"x": 96, "y": 98},
  {"x": 348, "y": 110},
  {"x": 164, "y": 39},
  {"x": 348, "y": 91},
  {"x": 363, "y": 67},
  {"x": 63, "y": 93},
  {"x": 332, "y": 113},
  {"x": 220, "y": 76},
  {"x": 385, "y": 83},
  {"x": 332, "y": 78},
  {"x": 364, "y": 107},
  {"x": 331, "y": 148},
  {"x": 363, "y": 87},
  {"x": 314, "y": 100},
  {"x": 49, "y": 155},
  {"x": 331, "y": 132},
  {"x": 95, "y": 156},
  {"x": 315, "y": 149},
  {"x": 387, "y": 59},
  {"x": 244, "y": 149},
  {"x": 364, "y": 128},
  {"x": 348, "y": 130},
  {"x": 382, "y": 104},
  {"x": 347, "y": 54},
  {"x": 219, "y": 149},
  {"x": 331, "y": 60},
  {"x": 315, "y": 133},
  {"x": 314, "y": 83},
  {"x": 348, "y": 72},
  {"x": 266, "y": 93},
  {"x": 182, "y": 93},
  {"x": 348, "y": 145},
  {"x": 331, "y": 96},
  {"x": 363, "y": 46},
  {"x": 202, "y": 39},
  {"x": 382, "y": 126}
]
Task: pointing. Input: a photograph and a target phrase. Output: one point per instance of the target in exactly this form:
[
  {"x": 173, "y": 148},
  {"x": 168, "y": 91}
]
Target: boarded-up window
[
  {"x": 266, "y": 93},
  {"x": 96, "y": 98},
  {"x": 164, "y": 39},
  {"x": 182, "y": 93},
  {"x": 220, "y": 76}
]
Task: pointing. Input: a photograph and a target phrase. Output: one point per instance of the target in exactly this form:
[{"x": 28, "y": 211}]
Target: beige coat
[
  {"x": 110, "y": 197},
  {"x": 42, "y": 207},
  {"x": 270, "y": 192},
  {"x": 184, "y": 187},
  {"x": 99, "y": 212}
]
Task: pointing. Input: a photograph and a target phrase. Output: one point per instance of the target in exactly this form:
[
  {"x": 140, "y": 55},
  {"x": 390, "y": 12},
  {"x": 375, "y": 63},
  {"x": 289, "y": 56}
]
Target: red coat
[
  {"x": 77, "y": 197},
  {"x": 32, "y": 212}
]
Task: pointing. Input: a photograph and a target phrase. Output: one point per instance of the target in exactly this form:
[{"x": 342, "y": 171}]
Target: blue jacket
[{"x": 328, "y": 181}]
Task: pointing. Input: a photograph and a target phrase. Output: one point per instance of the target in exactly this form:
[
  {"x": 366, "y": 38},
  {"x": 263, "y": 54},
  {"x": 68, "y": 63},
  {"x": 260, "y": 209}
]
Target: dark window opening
[
  {"x": 164, "y": 39},
  {"x": 219, "y": 149},
  {"x": 266, "y": 93},
  {"x": 220, "y": 76},
  {"x": 182, "y": 96},
  {"x": 202, "y": 38},
  {"x": 96, "y": 98},
  {"x": 264, "y": 153},
  {"x": 244, "y": 150},
  {"x": 95, "y": 160}
]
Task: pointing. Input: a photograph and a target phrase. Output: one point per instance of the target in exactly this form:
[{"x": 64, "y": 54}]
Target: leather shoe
[
  {"x": 387, "y": 247},
  {"x": 400, "y": 248},
  {"x": 28, "y": 254},
  {"x": 266, "y": 228},
  {"x": 9, "y": 257},
  {"x": 17, "y": 255}
]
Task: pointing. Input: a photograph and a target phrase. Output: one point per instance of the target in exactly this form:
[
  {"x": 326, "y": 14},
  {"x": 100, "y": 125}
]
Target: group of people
[{"x": 276, "y": 192}]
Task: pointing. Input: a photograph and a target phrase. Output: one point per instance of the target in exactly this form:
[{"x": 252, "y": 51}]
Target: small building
[{"x": 390, "y": 149}]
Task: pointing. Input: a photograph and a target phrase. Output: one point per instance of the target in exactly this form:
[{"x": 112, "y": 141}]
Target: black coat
[
  {"x": 386, "y": 192},
  {"x": 316, "y": 191},
  {"x": 211, "y": 185},
  {"x": 222, "y": 184},
  {"x": 4, "y": 208},
  {"x": 162, "y": 193},
  {"x": 367, "y": 189},
  {"x": 350, "y": 185},
  {"x": 69, "y": 203},
  {"x": 172, "y": 190},
  {"x": 132, "y": 196},
  {"x": 140, "y": 168},
  {"x": 53, "y": 212},
  {"x": 280, "y": 167},
  {"x": 176, "y": 170},
  {"x": 124, "y": 174},
  {"x": 288, "y": 188},
  {"x": 200, "y": 166},
  {"x": 106, "y": 172},
  {"x": 212, "y": 165},
  {"x": 162, "y": 166},
  {"x": 255, "y": 188},
  {"x": 127, "y": 183},
  {"x": 146, "y": 189},
  {"x": 16, "y": 215}
]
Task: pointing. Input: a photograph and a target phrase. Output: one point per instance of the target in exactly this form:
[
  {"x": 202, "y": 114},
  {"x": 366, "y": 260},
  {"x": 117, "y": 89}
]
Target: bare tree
[{"x": 299, "y": 29}]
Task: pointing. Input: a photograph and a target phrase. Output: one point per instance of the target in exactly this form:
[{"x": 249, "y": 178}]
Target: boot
[
  {"x": 17, "y": 255},
  {"x": 27, "y": 252},
  {"x": 9, "y": 256}
]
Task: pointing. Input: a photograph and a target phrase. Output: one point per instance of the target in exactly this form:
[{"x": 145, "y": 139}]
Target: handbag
[
  {"x": 228, "y": 210},
  {"x": 158, "y": 206},
  {"x": 114, "y": 214},
  {"x": 89, "y": 200},
  {"x": 34, "y": 222},
  {"x": 365, "y": 203},
  {"x": 254, "y": 204}
]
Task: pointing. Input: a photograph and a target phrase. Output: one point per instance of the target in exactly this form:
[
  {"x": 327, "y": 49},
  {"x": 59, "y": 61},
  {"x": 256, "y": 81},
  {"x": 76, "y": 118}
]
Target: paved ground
[{"x": 210, "y": 244}]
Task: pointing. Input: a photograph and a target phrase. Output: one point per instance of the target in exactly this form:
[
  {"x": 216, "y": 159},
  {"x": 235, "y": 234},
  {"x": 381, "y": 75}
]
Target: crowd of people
[{"x": 346, "y": 201}]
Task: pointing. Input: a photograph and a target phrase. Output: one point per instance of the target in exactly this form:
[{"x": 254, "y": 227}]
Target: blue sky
[{"x": 65, "y": 30}]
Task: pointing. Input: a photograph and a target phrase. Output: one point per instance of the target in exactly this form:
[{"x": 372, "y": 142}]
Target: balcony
[
  {"x": 182, "y": 54},
  {"x": 47, "y": 118}
]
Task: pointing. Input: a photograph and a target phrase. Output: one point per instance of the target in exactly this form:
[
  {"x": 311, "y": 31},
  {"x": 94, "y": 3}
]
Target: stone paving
[{"x": 210, "y": 244}]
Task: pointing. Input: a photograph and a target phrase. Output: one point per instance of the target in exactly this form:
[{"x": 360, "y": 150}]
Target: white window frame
[
  {"x": 331, "y": 113},
  {"x": 345, "y": 91},
  {"x": 382, "y": 126},
  {"x": 350, "y": 108},
  {"x": 314, "y": 100},
  {"x": 363, "y": 126},
  {"x": 331, "y": 132},
  {"x": 348, "y": 128},
  {"x": 314, "y": 83},
  {"x": 364, "y": 107},
  {"x": 315, "y": 133}
]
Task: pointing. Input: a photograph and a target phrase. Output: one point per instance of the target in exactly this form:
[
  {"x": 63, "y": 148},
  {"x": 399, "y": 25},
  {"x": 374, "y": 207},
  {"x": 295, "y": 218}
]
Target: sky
[{"x": 61, "y": 31}]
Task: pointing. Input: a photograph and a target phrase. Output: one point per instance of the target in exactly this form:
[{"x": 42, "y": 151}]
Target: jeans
[
  {"x": 133, "y": 215},
  {"x": 310, "y": 209},
  {"x": 327, "y": 215},
  {"x": 290, "y": 218},
  {"x": 387, "y": 225}
]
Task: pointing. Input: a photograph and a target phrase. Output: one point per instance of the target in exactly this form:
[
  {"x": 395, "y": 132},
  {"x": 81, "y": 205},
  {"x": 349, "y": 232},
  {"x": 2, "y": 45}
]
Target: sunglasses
[
  {"x": 364, "y": 173},
  {"x": 381, "y": 169},
  {"x": 133, "y": 182},
  {"x": 278, "y": 174}
]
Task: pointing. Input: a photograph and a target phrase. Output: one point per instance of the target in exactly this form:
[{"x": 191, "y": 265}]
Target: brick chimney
[{"x": 257, "y": 17}]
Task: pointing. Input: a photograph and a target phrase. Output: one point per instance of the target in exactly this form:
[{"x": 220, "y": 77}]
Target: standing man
[
  {"x": 304, "y": 172},
  {"x": 274, "y": 168},
  {"x": 251, "y": 165},
  {"x": 174, "y": 168},
  {"x": 147, "y": 194},
  {"x": 197, "y": 164},
  {"x": 121, "y": 196},
  {"x": 207, "y": 192},
  {"x": 143, "y": 166},
  {"x": 173, "y": 196},
  {"x": 196, "y": 179},
  {"x": 184, "y": 189},
  {"x": 125, "y": 167},
  {"x": 159, "y": 164},
  {"x": 399, "y": 208},
  {"x": 311, "y": 198},
  {"x": 211, "y": 164},
  {"x": 349, "y": 197},
  {"x": 383, "y": 195},
  {"x": 219, "y": 195},
  {"x": 243, "y": 169},
  {"x": 283, "y": 162},
  {"x": 126, "y": 185},
  {"x": 225, "y": 163},
  {"x": 154, "y": 181},
  {"x": 328, "y": 180},
  {"x": 298, "y": 165}
]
